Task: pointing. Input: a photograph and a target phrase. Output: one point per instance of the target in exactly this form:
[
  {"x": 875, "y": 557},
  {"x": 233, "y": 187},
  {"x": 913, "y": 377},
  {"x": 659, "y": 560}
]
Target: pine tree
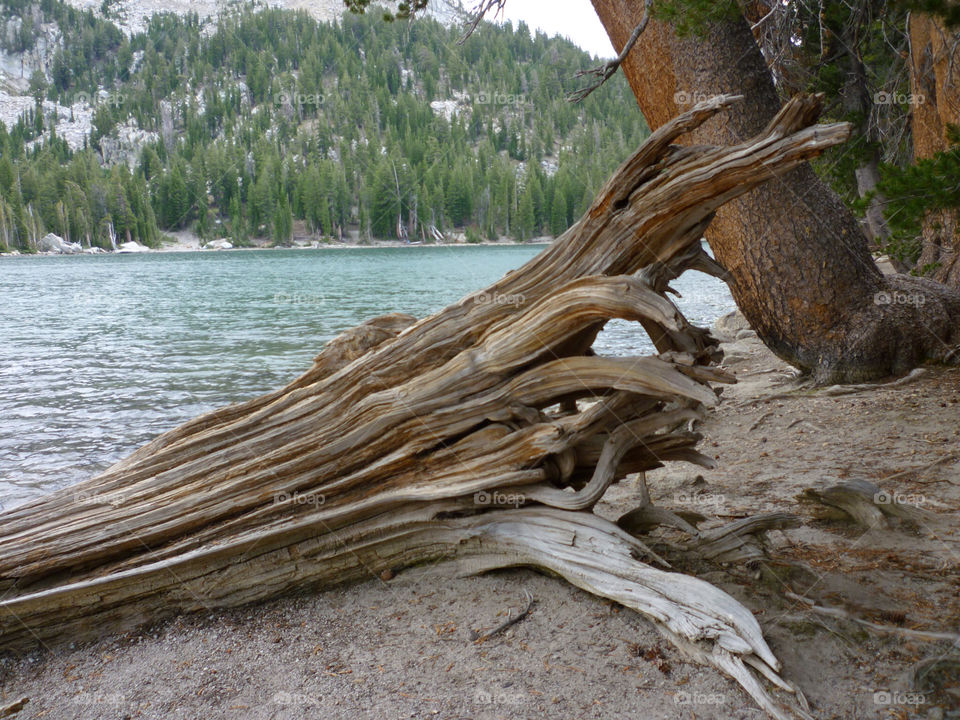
[
  {"x": 282, "y": 222},
  {"x": 558, "y": 215},
  {"x": 526, "y": 220},
  {"x": 238, "y": 229},
  {"x": 383, "y": 201},
  {"x": 175, "y": 198}
]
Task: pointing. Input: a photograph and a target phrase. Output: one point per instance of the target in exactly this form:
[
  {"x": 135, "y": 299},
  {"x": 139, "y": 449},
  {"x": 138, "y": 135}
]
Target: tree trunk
[
  {"x": 413, "y": 442},
  {"x": 935, "y": 86},
  {"x": 875, "y": 225},
  {"x": 799, "y": 265}
]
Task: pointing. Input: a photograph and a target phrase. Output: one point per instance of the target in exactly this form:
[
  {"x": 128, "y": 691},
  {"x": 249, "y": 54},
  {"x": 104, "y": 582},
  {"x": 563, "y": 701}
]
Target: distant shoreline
[{"x": 187, "y": 247}]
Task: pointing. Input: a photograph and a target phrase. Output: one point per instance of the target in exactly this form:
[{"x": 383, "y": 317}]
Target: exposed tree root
[
  {"x": 913, "y": 634},
  {"x": 835, "y": 390},
  {"x": 867, "y": 505}
]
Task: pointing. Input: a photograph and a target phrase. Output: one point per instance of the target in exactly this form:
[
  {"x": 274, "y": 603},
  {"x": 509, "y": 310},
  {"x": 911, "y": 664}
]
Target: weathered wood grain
[{"x": 454, "y": 437}]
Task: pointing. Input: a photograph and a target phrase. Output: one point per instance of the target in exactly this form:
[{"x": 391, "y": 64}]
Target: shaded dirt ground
[{"x": 401, "y": 648}]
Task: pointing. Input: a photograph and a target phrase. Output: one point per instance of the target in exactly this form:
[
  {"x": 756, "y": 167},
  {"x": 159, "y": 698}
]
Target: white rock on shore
[
  {"x": 132, "y": 247},
  {"x": 56, "y": 244}
]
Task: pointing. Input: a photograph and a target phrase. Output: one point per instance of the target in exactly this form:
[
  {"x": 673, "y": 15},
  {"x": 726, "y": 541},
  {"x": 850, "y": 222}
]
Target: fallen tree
[{"x": 456, "y": 437}]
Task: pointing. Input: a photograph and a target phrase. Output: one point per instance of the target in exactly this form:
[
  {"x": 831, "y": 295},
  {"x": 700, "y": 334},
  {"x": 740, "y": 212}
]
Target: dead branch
[
  {"x": 608, "y": 69},
  {"x": 478, "y": 638},
  {"x": 478, "y": 13}
]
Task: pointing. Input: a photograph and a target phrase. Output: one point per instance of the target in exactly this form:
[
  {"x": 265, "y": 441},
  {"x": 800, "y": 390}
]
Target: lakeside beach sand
[{"x": 401, "y": 648}]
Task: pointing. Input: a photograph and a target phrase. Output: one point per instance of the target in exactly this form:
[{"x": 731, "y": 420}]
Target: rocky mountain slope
[{"x": 259, "y": 123}]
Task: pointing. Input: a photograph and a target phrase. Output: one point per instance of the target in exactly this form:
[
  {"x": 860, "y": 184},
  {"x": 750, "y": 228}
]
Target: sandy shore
[{"x": 401, "y": 648}]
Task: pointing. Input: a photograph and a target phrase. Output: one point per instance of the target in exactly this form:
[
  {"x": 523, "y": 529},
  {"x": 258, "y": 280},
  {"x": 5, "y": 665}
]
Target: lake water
[{"x": 98, "y": 354}]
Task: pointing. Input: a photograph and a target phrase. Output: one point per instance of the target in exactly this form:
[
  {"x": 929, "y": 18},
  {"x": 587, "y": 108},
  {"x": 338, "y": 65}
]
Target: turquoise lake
[{"x": 98, "y": 354}]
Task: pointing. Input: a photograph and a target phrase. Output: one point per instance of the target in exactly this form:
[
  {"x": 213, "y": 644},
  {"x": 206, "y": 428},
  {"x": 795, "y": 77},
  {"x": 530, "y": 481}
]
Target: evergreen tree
[
  {"x": 526, "y": 220},
  {"x": 384, "y": 201},
  {"x": 282, "y": 222},
  {"x": 174, "y": 199},
  {"x": 558, "y": 215}
]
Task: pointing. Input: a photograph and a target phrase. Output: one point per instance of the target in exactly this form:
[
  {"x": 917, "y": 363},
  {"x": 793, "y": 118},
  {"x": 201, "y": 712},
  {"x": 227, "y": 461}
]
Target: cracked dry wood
[{"x": 370, "y": 460}]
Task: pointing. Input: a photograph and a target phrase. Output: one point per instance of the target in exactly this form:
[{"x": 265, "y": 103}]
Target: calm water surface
[{"x": 98, "y": 354}]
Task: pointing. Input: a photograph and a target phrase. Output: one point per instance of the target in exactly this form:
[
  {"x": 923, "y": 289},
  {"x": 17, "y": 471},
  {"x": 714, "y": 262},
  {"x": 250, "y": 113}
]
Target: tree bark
[
  {"x": 935, "y": 86},
  {"x": 799, "y": 264},
  {"x": 410, "y": 442}
]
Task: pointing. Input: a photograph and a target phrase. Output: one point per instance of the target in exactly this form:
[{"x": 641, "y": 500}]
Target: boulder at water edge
[
  {"x": 56, "y": 244},
  {"x": 132, "y": 247},
  {"x": 729, "y": 327}
]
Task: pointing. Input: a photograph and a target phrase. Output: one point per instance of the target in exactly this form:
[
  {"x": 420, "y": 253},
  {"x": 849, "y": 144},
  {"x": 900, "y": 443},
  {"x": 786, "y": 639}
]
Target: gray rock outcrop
[{"x": 56, "y": 244}]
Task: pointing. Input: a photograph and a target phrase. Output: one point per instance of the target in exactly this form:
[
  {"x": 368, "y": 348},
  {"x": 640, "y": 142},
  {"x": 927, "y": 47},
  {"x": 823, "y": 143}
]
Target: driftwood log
[{"x": 455, "y": 437}]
